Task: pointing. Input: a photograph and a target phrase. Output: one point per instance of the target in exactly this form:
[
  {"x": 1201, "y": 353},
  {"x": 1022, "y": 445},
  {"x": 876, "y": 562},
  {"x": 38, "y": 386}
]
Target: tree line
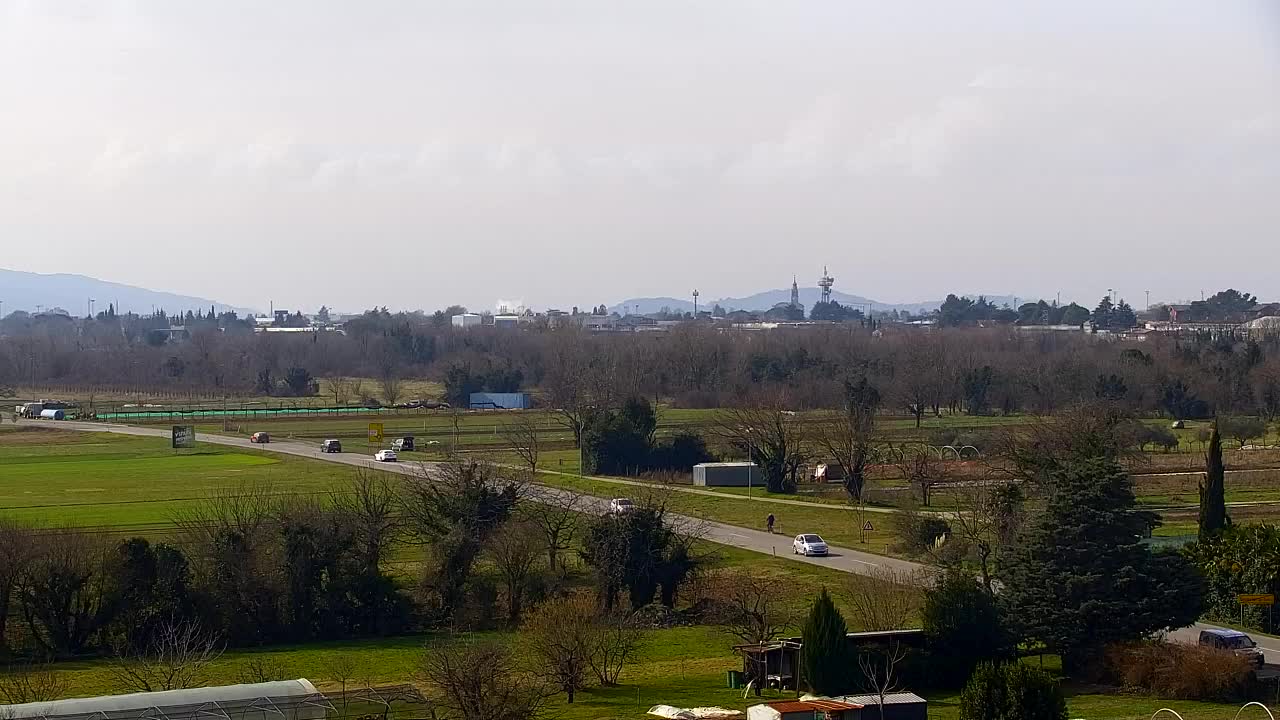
[
  {"x": 248, "y": 567},
  {"x": 973, "y": 370}
]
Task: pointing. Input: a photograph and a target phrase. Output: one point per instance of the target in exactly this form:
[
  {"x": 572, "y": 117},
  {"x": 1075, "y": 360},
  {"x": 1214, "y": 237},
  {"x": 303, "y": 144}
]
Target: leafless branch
[{"x": 177, "y": 657}]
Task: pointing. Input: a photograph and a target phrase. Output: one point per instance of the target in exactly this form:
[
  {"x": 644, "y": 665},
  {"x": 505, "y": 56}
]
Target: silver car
[{"x": 809, "y": 544}]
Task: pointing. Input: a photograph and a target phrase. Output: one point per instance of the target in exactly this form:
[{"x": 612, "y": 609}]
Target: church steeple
[{"x": 795, "y": 292}]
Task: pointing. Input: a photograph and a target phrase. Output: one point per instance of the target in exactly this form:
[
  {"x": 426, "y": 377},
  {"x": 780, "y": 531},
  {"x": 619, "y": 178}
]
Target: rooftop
[{"x": 791, "y": 706}]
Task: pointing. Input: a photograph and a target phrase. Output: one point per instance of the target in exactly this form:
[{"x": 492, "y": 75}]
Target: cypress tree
[
  {"x": 1213, "y": 500},
  {"x": 825, "y": 658}
]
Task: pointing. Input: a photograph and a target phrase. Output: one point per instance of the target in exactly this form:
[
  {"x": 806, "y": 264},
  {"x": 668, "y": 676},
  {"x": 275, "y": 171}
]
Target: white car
[
  {"x": 386, "y": 456},
  {"x": 809, "y": 544},
  {"x": 621, "y": 506}
]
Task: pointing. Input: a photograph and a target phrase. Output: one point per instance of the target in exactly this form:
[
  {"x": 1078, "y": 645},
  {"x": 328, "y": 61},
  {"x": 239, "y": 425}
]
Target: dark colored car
[
  {"x": 260, "y": 437},
  {"x": 331, "y": 446},
  {"x": 404, "y": 444}
]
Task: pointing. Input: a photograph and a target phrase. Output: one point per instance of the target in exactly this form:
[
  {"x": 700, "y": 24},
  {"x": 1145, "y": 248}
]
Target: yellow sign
[
  {"x": 1256, "y": 599},
  {"x": 375, "y": 433}
]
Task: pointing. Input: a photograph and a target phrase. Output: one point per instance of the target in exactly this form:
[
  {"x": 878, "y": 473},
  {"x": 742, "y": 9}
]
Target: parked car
[
  {"x": 404, "y": 444},
  {"x": 809, "y": 544},
  {"x": 331, "y": 446},
  {"x": 386, "y": 456},
  {"x": 1233, "y": 641},
  {"x": 260, "y": 437},
  {"x": 621, "y": 506}
]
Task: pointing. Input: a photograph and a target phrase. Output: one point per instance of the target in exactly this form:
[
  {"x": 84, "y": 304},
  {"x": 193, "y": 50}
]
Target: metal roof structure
[
  {"x": 903, "y": 698},
  {"x": 282, "y": 700},
  {"x": 792, "y": 706}
]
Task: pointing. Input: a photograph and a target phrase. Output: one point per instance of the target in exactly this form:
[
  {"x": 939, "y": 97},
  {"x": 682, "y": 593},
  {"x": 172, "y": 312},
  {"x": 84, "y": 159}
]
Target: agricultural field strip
[{"x": 842, "y": 559}]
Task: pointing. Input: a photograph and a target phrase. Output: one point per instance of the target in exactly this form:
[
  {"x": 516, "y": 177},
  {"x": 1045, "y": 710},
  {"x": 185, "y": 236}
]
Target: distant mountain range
[
  {"x": 808, "y": 296},
  {"x": 32, "y": 291}
]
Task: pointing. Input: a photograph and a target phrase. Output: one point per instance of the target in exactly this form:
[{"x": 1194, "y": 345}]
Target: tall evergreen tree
[
  {"x": 826, "y": 660},
  {"x": 1080, "y": 578},
  {"x": 1213, "y": 501}
]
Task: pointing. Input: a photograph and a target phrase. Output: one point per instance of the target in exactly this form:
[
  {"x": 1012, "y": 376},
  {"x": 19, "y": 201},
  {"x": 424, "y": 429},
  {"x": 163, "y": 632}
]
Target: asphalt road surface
[{"x": 843, "y": 559}]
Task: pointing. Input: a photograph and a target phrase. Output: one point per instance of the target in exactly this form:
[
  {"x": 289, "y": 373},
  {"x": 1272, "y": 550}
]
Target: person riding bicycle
[{"x": 769, "y": 522}]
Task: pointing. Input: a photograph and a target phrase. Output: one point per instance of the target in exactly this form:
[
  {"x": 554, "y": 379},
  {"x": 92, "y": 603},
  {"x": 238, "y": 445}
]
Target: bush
[
  {"x": 1011, "y": 691},
  {"x": 1181, "y": 672},
  {"x": 963, "y": 627},
  {"x": 918, "y": 532}
]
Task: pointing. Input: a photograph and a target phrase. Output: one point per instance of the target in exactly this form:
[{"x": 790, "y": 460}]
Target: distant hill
[
  {"x": 26, "y": 291},
  {"x": 769, "y": 298}
]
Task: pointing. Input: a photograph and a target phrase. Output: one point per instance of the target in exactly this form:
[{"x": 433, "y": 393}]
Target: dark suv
[{"x": 331, "y": 446}]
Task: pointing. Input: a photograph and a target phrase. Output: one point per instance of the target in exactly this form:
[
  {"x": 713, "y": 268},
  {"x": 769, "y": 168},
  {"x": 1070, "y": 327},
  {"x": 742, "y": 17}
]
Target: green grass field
[
  {"x": 139, "y": 484},
  {"x": 684, "y": 667},
  {"x": 102, "y": 479}
]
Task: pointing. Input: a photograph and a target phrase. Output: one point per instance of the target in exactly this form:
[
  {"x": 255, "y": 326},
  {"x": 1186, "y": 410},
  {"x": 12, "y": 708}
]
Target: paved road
[
  {"x": 844, "y": 559},
  {"x": 1270, "y": 647}
]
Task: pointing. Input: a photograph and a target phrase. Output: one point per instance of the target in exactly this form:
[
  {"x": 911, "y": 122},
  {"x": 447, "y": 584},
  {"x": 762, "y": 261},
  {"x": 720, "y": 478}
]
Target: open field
[
  {"x": 128, "y": 482},
  {"x": 678, "y": 666},
  {"x": 682, "y": 666},
  {"x": 101, "y": 479}
]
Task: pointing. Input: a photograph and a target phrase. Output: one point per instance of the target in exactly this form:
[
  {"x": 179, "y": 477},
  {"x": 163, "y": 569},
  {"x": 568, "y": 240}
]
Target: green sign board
[{"x": 184, "y": 436}]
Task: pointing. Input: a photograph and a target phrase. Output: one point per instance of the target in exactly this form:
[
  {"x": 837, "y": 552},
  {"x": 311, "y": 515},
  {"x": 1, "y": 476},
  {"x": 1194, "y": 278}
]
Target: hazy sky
[{"x": 419, "y": 153}]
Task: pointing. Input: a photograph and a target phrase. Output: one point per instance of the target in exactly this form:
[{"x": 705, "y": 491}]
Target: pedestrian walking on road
[{"x": 769, "y": 522}]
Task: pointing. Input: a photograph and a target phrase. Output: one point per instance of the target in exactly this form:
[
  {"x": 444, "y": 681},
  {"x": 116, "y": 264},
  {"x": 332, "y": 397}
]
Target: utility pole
[{"x": 1148, "y": 292}]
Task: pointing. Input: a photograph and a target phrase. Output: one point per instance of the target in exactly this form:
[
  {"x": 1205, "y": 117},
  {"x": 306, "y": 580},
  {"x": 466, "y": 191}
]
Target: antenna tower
[{"x": 825, "y": 283}]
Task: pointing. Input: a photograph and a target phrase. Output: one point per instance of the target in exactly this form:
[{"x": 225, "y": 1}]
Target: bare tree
[
  {"x": 771, "y": 438},
  {"x": 921, "y": 468},
  {"x": 883, "y": 599},
  {"x": 987, "y": 516},
  {"x": 880, "y": 670},
  {"x": 567, "y": 380},
  {"x": 558, "y": 516},
  {"x": 177, "y": 657},
  {"x": 15, "y": 555},
  {"x": 515, "y": 550},
  {"x": 617, "y": 640},
  {"x": 341, "y": 671},
  {"x": 522, "y": 434},
  {"x": 847, "y": 437},
  {"x": 757, "y": 609},
  {"x": 261, "y": 668},
  {"x": 561, "y": 635},
  {"x": 481, "y": 681},
  {"x": 341, "y": 389},
  {"x": 392, "y": 387},
  {"x": 33, "y": 682},
  {"x": 371, "y": 507}
]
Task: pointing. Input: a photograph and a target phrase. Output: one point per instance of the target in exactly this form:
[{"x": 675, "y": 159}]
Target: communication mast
[
  {"x": 825, "y": 283},
  {"x": 695, "y": 302}
]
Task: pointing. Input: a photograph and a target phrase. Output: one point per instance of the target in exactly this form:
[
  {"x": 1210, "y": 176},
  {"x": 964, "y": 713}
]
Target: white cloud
[{"x": 922, "y": 145}]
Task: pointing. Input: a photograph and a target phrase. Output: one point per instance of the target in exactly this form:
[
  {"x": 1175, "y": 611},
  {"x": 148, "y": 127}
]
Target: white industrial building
[{"x": 466, "y": 320}]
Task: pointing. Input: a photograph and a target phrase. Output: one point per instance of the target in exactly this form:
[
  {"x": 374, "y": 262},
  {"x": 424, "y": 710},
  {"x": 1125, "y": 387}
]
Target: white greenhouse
[{"x": 283, "y": 700}]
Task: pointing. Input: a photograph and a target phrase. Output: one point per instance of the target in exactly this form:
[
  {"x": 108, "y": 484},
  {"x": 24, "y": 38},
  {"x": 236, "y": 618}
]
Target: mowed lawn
[{"x": 101, "y": 479}]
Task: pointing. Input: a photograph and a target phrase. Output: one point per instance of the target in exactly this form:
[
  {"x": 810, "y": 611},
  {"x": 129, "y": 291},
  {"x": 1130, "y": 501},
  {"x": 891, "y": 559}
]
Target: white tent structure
[{"x": 283, "y": 700}]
